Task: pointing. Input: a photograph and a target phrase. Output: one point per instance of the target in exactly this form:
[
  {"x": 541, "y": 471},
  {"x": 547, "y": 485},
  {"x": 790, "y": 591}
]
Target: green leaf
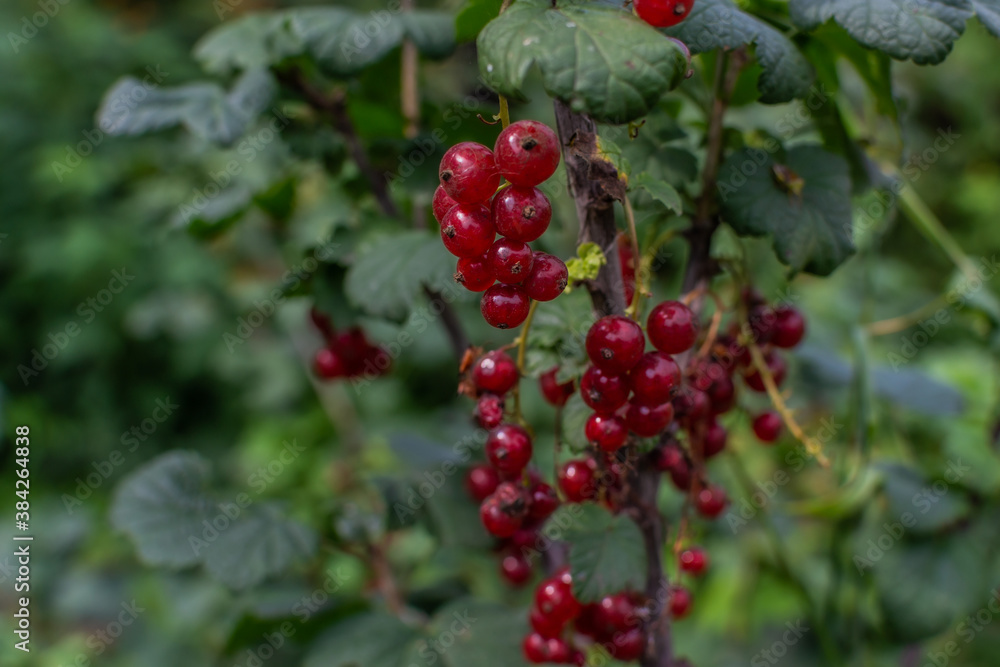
[
  {"x": 575, "y": 415},
  {"x": 432, "y": 32},
  {"x": 386, "y": 280},
  {"x": 474, "y": 16},
  {"x": 208, "y": 217},
  {"x": 485, "y": 634},
  {"x": 248, "y": 42},
  {"x": 365, "y": 641},
  {"x": 907, "y": 491},
  {"x": 598, "y": 59},
  {"x": 588, "y": 262},
  {"x": 719, "y": 24},
  {"x": 917, "y": 391},
  {"x": 988, "y": 13},
  {"x": 919, "y": 30},
  {"x": 806, "y": 212},
  {"x": 606, "y": 554},
  {"x": 661, "y": 191},
  {"x": 160, "y": 505},
  {"x": 278, "y": 200}
]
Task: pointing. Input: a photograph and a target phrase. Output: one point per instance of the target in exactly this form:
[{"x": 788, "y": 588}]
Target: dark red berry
[
  {"x": 763, "y": 322},
  {"x": 467, "y": 230},
  {"x": 648, "y": 420},
  {"x": 555, "y": 393},
  {"x": 607, "y": 432},
  {"x": 670, "y": 457},
  {"x": 474, "y": 273},
  {"x": 544, "y": 501},
  {"x": 691, "y": 406},
  {"x": 722, "y": 395},
  {"x": 626, "y": 256},
  {"x": 789, "y": 328},
  {"x": 329, "y": 364},
  {"x": 559, "y": 651},
  {"x": 514, "y": 567},
  {"x": 767, "y": 427},
  {"x": 468, "y": 173},
  {"x": 615, "y": 613},
  {"x": 495, "y": 372},
  {"x": 521, "y": 214},
  {"x": 536, "y": 648},
  {"x": 554, "y": 598},
  {"x": 663, "y": 13},
  {"x": 627, "y": 646},
  {"x": 441, "y": 204},
  {"x": 680, "y": 602},
  {"x": 322, "y": 322},
  {"x": 489, "y": 411},
  {"x": 504, "y": 306},
  {"x": 548, "y": 277},
  {"x": 545, "y": 625},
  {"x": 715, "y": 439},
  {"x": 527, "y": 152},
  {"x": 693, "y": 561},
  {"x": 671, "y": 327},
  {"x": 655, "y": 378},
  {"x": 508, "y": 448},
  {"x": 776, "y": 364},
  {"x": 577, "y": 481},
  {"x": 604, "y": 393},
  {"x": 510, "y": 261},
  {"x": 710, "y": 502},
  {"x": 481, "y": 482},
  {"x": 615, "y": 343},
  {"x": 496, "y": 520}
]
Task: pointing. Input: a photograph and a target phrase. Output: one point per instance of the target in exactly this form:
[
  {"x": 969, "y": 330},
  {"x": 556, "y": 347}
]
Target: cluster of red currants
[
  {"x": 508, "y": 272},
  {"x": 347, "y": 354}
]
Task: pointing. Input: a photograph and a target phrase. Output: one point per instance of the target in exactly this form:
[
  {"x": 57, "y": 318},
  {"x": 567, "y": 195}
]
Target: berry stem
[
  {"x": 504, "y": 112},
  {"x": 633, "y": 308},
  {"x": 522, "y": 348}
]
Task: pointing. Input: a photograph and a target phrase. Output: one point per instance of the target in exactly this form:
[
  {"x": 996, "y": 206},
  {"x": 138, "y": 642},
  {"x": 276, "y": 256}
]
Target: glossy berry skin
[
  {"x": 604, "y": 393},
  {"x": 663, "y": 13},
  {"x": 577, "y": 481},
  {"x": 469, "y": 173},
  {"x": 527, "y": 153},
  {"x": 555, "y": 393},
  {"x": 515, "y": 568},
  {"x": 609, "y": 433},
  {"x": 722, "y": 395},
  {"x": 680, "y": 602},
  {"x": 763, "y": 321},
  {"x": 710, "y": 502},
  {"x": 776, "y": 364},
  {"x": 655, "y": 378},
  {"x": 474, "y": 273},
  {"x": 495, "y": 372},
  {"x": 626, "y": 257},
  {"x": 467, "y": 231},
  {"x": 693, "y": 561},
  {"x": 614, "y": 613},
  {"x": 329, "y": 364},
  {"x": 671, "y": 327},
  {"x": 441, "y": 204},
  {"x": 559, "y": 651},
  {"x": 648, "y": 420},
  {"x": 504, "y": 306},
  {"x": 544, "y": 501},
  {"x": 670, "y": 457},
  {"x": 628, "y": 645},
  {"x": 508, "y": 449},
  {"x": 481, "y": 481},
  {"x": 521, "y": 214},
  {"x": 767, "y": 427},
  {"x": 496, "y": 520},
  {"x": 548, "y": 277},
  {"x": 535, "y": 648},
  {"x": 510, "y": 261},
  {"x": 615, "y": 343},
  {"x": 715, "y": 439},
  {"x": 789, "y": 327},
  {"x": 691, "y": 406},
  {"x": 554, "y": 598},
  {"x": 544, "y": 625},
  {"x": 489, "y": 411}
]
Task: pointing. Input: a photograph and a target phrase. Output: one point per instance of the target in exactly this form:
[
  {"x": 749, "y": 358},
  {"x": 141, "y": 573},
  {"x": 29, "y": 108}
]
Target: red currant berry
[
  {"x": 680, "y": 602},
  {"x": 554, "y": 598},
  {"x": 789, "y": 328},
  {"x": 578, "y": 658},
  {"x": 670, "y": 457},
  {"x": 627, "y": 646},
  {"x": 467, "y": 230},
  {"x": 626, "y": 257},
  {"x": 545, "y": 625},
  {"x": 648, "y": 420},
  {"x": 694, "y": 561},
  {"x": 615, "y": 343},
  {"x": 329, "y": 364},
  {"x": 510, "y": 261},
  {"x": 536, "y": 648},
  {"x": 481, "y": 482},
  {"x": 711, "y": 501},
  {"x": 767, "y": 427},
  {"x": 715, "y": 439},
  {"x": 527, "y": 152},
  {"x": 508, "y": 448},
  {"x": 681, "y": 477},
  {"x": 521, "y": 214},
  {"x": 663, "y": 13},
  {"x": 577, "y": 481},
  {"x": 655, "y": 378},
  {"x": 776, "y": 364},
  {"x": 495, "y": 372},
  {"x": 672, "y": 327},
  {"x": 555, "y": 393},
  {"x": 489, "y": 411},
  {"x": 544, "y": 501},
  {"x": 722, "y": 395},
  {"x": 468, "y": 173},
  {"x": 441, "y": 204},
  {"x": 692, "y": 406},
  {"x": 474, "y": 273},
  {"x": 559, "y": 651},
  {"x": 548, "y": 277},
  {"x": 496, "y": 520},
  {"x": 763, "y": 323},
  {"x": 615, "y": 613},
  {"x": 515, "y": 568},
  {"x": 608, "y": 433},
  {"x": 504, "y": 306},
  {"x": 322, "y": 322},
  {"x": 604, "y": 393}
]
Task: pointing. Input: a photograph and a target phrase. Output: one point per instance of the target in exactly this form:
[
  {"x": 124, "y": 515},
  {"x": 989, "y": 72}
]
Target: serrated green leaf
[
  {"x": 575, "y": 414},
  {"x": 484, "y": 634},
  {"x": 474, "y": 16},
  {"x": 660, "y": 190},
  {"x": 598, "y": 59},
  {"x": 811, "y": 229},
  {"x": 907, "y": 491},
  {"x": 365, "y": 641},
  {"x": 388, "y": 277},
  {"x": 988, "y": 13},
  {"x": 919, "y": 30},
  {"x": 248, "y": 42},
  {"x": 606, "y": 554},
  {"x": 720, "y": 24},
  {"x": 432, "y": 32},
  {"x": 588, "y": 262}
]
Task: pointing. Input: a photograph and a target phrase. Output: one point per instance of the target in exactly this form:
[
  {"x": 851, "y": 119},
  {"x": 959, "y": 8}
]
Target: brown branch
[{"x": 408, "y": 93}]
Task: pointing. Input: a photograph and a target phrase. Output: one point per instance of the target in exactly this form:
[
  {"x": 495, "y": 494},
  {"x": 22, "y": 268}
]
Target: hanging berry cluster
[
  {"x": 347, "y": 354},
  {"x": 471, "y": 212}
]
